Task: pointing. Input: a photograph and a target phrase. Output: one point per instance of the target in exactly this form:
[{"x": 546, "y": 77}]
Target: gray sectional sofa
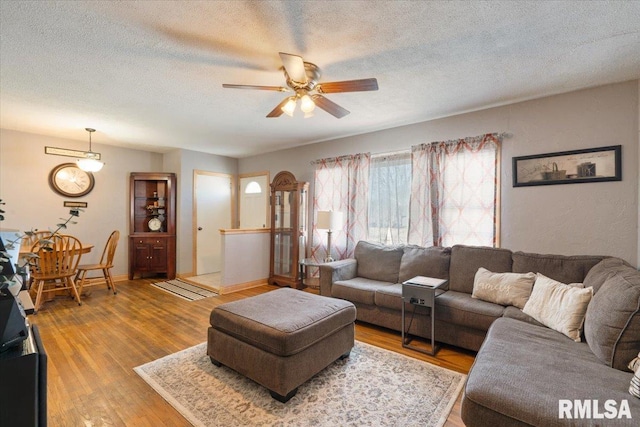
[{"x": 523, "y": 370}]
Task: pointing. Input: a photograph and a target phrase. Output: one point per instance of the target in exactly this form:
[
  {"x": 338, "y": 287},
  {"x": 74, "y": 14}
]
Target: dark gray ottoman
[{"x": 282, "y": 338}]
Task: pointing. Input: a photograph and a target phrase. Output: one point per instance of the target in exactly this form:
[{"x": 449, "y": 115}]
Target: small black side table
[{"x": 424, "y": 296}]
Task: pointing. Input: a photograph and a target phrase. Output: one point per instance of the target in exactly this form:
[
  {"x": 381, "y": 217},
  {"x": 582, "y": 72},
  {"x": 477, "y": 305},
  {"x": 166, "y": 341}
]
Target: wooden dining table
[{"x": 86, "y": 248}]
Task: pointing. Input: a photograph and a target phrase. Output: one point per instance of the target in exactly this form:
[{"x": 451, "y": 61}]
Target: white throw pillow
[
  {"x": 503, "y": 288},
  {"x": 559, "y": 306},
  {"x": 634, "y": 387}
]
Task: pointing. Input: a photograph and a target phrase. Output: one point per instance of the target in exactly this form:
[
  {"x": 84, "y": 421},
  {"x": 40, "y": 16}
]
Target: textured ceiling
[{"x": 149, "y": 74}]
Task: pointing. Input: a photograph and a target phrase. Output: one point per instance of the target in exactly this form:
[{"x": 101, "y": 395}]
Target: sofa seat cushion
[
  {"x": 522, "y": 370},
  {"x": 461, "y": 309},
  {"x": 466, "y": 260},
  {"x": 358, "y": 290},
  {"x": 378, "y": 262},
  {"x": 391, "y": 297},
  {"x": 565, "y": 269},
  {"x": 612, "y": 322},
  {"x": 512, "y": 312}
]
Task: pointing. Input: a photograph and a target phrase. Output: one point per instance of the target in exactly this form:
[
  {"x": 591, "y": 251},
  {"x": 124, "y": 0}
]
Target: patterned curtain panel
[
  {"x": 389, "y": 191},
  {"x": 454, "y": 192},
  {"x": 341, "y": 184}
]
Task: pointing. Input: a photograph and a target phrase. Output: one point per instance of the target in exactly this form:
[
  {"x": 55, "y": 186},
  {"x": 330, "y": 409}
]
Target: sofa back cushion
[
  {"x": 466, "y": 260},
  {"x": 378, "y": 262},
  {"x": 612, "y": 323},
  {"x": 602, "y": 271},
  {"x": 565, "y": 269},
  {"x": 419, "y": 261}
]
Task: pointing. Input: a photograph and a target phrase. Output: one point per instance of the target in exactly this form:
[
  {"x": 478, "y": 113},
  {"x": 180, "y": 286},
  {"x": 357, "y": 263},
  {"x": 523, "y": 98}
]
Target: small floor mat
[{"x": 184, "y": 290}]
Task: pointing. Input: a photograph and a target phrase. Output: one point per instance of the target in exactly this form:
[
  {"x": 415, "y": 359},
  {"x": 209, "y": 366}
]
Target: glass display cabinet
[{"x": 289, "y": 200}]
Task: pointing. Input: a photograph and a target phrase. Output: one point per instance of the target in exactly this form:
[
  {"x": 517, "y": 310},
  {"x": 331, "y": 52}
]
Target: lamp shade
[
  {"x": 90, "y": 165},
  {"x": 329, "y": 220}
]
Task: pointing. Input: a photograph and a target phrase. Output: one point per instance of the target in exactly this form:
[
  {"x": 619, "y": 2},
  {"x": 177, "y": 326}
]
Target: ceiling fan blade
[
  {"x": 294, "y": 66},
  {"x": 348, "y": 86},
  {"x": 276, "y": 88},
  {"x": 277, "y": 112},
  {"x": 329, "y": 106}
]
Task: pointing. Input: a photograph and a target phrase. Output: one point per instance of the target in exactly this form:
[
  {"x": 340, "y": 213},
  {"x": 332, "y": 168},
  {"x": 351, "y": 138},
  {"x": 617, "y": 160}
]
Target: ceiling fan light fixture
[
  {"x": 306, "y": 104},
  {"x": 290, "y": 106},
  {"x": 90, "y": 162}
]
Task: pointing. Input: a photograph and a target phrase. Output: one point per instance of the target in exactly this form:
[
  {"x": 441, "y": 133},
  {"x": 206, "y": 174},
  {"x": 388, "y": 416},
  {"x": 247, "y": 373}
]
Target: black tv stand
[{"x": 23, "y": 389}]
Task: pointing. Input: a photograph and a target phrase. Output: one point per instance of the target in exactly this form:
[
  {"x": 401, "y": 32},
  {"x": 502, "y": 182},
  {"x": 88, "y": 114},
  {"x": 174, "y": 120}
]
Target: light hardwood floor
[{"x": 93, "y": 349}]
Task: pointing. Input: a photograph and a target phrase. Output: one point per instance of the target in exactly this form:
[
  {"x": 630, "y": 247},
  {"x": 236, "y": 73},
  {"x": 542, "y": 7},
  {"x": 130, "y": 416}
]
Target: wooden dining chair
[
  {"x": 105, "y": 265},
  {"x": 27, "y": 243},
  {"x": 56, "y": 266},
  {"x": 34, "y": 237}
]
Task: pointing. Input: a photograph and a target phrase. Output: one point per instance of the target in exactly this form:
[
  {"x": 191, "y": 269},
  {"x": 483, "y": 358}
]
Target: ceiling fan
[{"x": 302, "y": 78}]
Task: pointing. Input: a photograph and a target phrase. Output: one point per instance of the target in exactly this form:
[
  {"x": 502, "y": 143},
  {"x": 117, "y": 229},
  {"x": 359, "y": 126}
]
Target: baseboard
[
  {"x": 227, "y": 289},
  {"x": 120, "y": 277},
  {"x": 185, "y": 275}
]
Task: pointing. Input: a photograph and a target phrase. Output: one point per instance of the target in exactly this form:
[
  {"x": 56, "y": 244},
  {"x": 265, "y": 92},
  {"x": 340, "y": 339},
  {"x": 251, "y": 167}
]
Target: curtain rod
[
  {"x": 344, "y": 157},
  {"x": 503, "y": 135},
  {"x": 496, "y": 134}
]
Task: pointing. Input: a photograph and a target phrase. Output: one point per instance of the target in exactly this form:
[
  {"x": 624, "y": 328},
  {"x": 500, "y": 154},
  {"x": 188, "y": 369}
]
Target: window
[
  {"x": 253, "y": 188},
  {"x": 439, "y": 194},
  {"x": 454, "y": 192},
  {"x": 389, "y": 193}
]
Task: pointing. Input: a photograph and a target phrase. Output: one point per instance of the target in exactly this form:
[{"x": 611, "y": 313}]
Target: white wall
[
  {"x": 30, "y": 203},
  {"x": 594, "y": 218},
  {"x": 189, "y": 161},
  {"x": 599, "y": 218},
  {"x": 245, "y": 257}
]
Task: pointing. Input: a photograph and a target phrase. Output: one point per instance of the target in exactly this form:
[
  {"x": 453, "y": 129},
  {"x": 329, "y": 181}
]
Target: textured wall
[
  {"x": 24, "y": 171},
  {"x": 188, "y": 161},
  {"x": 595, "y": 218}
]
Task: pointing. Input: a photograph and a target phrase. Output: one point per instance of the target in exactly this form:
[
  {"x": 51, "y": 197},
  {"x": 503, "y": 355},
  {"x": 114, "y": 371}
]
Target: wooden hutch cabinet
[
  {"x": 152, "y": 227},
  {"x": 289, "y": 200}
]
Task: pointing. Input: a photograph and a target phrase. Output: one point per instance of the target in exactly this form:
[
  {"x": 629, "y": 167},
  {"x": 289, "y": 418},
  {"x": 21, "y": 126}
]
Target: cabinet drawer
[{"x": 149, "y": 240}]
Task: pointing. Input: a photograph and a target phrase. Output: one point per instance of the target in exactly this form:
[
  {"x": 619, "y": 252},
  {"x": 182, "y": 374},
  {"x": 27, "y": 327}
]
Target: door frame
[{"x": 194, "y": 212}]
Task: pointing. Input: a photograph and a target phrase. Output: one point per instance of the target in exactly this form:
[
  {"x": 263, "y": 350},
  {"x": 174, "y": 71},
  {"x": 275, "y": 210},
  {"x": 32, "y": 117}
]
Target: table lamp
[{"x": 329, "y": 220}]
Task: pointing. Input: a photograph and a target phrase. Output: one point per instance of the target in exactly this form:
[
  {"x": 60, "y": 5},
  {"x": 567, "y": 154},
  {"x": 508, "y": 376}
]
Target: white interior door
[
  {"x": 213, "y": 212},
  {"x": 254, "y": 199}
]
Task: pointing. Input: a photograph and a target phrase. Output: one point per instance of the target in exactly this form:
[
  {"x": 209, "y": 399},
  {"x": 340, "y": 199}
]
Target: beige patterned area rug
[{"x": 373, "y": 387}]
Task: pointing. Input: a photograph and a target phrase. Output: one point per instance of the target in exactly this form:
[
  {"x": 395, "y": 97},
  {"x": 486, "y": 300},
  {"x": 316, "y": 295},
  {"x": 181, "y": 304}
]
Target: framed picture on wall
[{"x": 569, "y": 167}]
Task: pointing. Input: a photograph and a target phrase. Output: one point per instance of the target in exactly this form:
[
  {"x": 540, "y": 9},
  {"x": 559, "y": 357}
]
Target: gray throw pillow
[{"x": 612, "y": 322}]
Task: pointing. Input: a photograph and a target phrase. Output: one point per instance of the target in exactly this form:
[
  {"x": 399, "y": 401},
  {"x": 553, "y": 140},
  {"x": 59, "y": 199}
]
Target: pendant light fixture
[{"x": 90, "y": 162}]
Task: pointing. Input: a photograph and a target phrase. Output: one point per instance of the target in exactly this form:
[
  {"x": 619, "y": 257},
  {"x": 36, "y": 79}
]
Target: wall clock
[
  {"x": 154, "y": 224},
  {"x": 69, "y": 180}
]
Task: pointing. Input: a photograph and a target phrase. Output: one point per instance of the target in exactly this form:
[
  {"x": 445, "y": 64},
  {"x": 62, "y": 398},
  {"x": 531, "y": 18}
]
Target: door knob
[{"x": 199, "y": 228}]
